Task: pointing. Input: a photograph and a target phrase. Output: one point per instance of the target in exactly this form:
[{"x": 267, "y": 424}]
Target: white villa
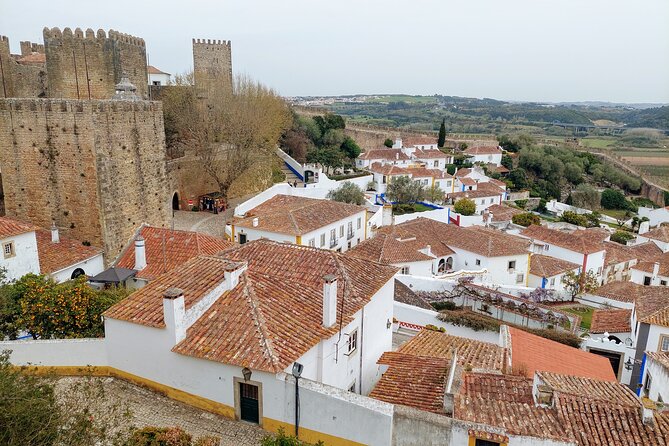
[{"x": 484, "y": 155}]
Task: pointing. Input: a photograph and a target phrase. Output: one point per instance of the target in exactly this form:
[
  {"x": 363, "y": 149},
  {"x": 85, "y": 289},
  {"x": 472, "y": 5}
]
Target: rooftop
[
  {"x": 429, "y": 154},
  {"x": 153, "y": 70},
  {"x": 286, "y": 214},
  {"x": 263, "y": 323},
  {"x": 384, "y": 154},
  {"x": 620, "y": 291},
  {"x": 424, "y": 172},
  {"x": 10, "y": 227},
  {"x": 483, "y": 189},
  {"x": 661, "y": 358},
  {"x": 32, "y": 59},
  {"x": 502, "y": 212},
  {"x": 57, "y": 256},
  {"x": 545, "y": 266},
  {"x": 661, "y": 233},
  {"x": 611, "y": 321},
  {"x": 617, "y": 253},
  {"x": 388, "y": 169},
  {"x": 648, "y": 265},
  {"x": 405, "y": 295},
  {"x": 482, "y": 150},
  {"x": 581, "y": 240},
  {"x": 166, "y": 249},
  {"x": 531, "y": 353}
]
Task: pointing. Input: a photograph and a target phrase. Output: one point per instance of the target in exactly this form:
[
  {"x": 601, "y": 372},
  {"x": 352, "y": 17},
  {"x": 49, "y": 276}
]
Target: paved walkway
[
  {"x": 152, "y": 409},
  {"x": 207, "y": 222}
]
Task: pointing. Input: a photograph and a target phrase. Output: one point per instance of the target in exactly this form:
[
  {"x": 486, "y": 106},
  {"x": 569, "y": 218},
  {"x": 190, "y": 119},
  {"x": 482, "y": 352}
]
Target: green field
[
  {"x": 404, "y": 98},
  {"x": 598, "y": 143}
]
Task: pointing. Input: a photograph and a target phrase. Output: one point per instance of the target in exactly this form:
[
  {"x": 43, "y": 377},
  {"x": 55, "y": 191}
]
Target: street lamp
[
  {"x": 247, "y": 373},
  {"x": 629, "y": 364},
  {"x": 297, "y": 372}
]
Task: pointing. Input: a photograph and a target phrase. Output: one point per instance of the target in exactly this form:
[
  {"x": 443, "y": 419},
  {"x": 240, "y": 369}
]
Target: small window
[
  {"x": 478, "y": 262},
  {"x": 341, "y": 231},
  {"x": 546, "y": 247},
  {"x": 647, "y": 384},
  {"x": 323, "y": 239},
  {"x": 312, "y": 242},
  {"x": 359, "y": 222},
  {"x": 436, "y": 164},
  {"x": 663, "y": 282},
  {"x": 8, "y": 249},
  {"x": 664, "y": 343},
  {"x": 512, "y": 265},
  {"x": 448, "y": 184},
  {"x": 552, "y": 281},
  {"x": 480, "y": 442},
  {"x": 483, "y": 201},
  {"x": 520, "y": 278},
  {"x": 352, "y": 343},
  {"x": 646, "y": 280},
  {"x": 404, "y": 270},
  {"x": 242, "y": 239}
]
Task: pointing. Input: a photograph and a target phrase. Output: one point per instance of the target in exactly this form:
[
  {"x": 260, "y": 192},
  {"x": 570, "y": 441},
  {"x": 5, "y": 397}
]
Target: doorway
[
  {"x": 175, "y": 201},
  {"x": 614, "y": 358},
  {"x": 248, "y": 402},
  {"x": 242, "y": 238}
]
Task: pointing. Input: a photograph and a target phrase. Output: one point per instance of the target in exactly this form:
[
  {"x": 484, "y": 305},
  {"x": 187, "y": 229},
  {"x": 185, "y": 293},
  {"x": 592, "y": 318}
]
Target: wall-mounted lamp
[
  {"x": 247, "y": 373},
  {"x": 629, "y": 364}
]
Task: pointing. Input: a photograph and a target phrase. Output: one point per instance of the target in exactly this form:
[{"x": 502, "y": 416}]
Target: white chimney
[
  {"x": 647, "y": 416},
  {"x": 656, "y": 269},
  {"x": 427, "y": 250},
  {"x": 55, "y": 237},
  {"x": 387, "y": 215},
  {"x": 255, "y": 222},
  {"x": 644, "y": 227},
  {"x": 232, "y": 275},
  {"x": 397, "y": 156},
  {"x": 329, "y": 300},
  {"x": 398, "y": 143},
  {"x": 140, "y": 253},
  {"x": 174, "y": 313}
]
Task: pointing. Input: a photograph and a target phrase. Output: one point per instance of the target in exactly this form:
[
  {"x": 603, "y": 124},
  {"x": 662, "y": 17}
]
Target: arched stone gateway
[{"x": 175, "y": 201}]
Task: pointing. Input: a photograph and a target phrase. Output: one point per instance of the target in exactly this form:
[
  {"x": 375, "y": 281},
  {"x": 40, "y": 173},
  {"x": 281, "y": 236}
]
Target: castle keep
[{"x": 212, "y": 67}]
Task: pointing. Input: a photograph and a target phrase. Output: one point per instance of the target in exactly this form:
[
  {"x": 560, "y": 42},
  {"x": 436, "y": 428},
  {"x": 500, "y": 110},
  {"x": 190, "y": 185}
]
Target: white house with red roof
[
  {"x": 157, "y": 77},
  {"x": 29, "y": 249},
  {"x": 655, "y": 216},
  {"x": 484, "y": 154}
]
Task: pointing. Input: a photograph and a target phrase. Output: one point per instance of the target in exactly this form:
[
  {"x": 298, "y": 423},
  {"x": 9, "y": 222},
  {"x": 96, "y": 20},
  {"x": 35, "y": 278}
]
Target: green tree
[
  {"x": 465, "y": 206},
  {"x": 388, "y": 143},
  {"x": 404, "y": 190},
  {"x": 282, "y": 439},
  {"x": 573, "y": 172},
  {"x": 442, "y": 134},
  {"x": 613, "y": 199},
  {"x": 579, "y": 283},
  {"x": 585, "y": 196},
  {"x": 622, "y": 237},
  {"x": 435, "y": 195},
  {"x": 526, "y": 219},
  {"x": 519, "y": 178},
  {"x": 574, "y": 218},
  {"x": 350, "y": 148},
  {"x": 347, "y": 193},
  {"x": 329, "y": 157},
  {"x": 507, "y": 161}
]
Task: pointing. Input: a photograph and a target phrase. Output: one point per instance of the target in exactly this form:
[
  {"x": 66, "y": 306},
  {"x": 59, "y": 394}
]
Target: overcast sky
[{"x": 537, "y": 50}]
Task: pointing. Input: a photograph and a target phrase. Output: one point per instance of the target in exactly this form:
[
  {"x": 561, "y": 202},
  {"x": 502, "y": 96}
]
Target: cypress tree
[{"x": 442, "y": 134}]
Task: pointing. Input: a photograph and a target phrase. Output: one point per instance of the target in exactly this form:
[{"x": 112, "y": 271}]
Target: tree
[
  {"x": 347, "y": 193},
  {"x": 574, "y": 218},
  {"x": 622, "y": 237},
  {"x": 329, "y": 157},
  {"x": 579, "y": 283},
  {"x": 573, "y": 173},
  {"x": 507, "y": 161},
  {"x": 526, "y": 219},
  {"x": 519, "y": 178},
  {"x": 388, "y": 143},
  {"x": 613, "y": 199},
  {"x": 585, "y": 196},
  {"x": 404, "y": 190},
  {"x": 442, "y": 134},
  {"x": 435, "y": 195},
  {"x": 350, "y": 148},
  {"x": 465, "y": 206}
]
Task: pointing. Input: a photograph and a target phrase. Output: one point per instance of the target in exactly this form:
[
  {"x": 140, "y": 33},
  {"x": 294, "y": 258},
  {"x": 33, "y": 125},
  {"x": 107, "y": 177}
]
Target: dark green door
[{"x": 248, "y": 402}]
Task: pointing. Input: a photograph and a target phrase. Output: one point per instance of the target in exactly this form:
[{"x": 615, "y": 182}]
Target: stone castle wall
[
  {"x": 97, "y": 168},
  {"x": 87, "y": 65},
  {"x": 212, "y": 67},
  {"x": 18, "y": 80}
]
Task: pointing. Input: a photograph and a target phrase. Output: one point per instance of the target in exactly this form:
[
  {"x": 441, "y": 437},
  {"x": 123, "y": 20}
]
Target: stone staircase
[{"x": 290, "y": 176}]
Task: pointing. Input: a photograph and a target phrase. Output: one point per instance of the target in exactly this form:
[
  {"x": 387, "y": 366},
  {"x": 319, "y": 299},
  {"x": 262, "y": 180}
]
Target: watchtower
[{"x": 212, "y": 67}]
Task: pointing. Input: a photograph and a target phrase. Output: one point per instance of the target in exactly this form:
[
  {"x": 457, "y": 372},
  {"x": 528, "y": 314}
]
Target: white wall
[
  {"x": 638, "y": 276},
  {"x": 558, "y": 285},
  {"x": 163, "y": 78},
  {"x": 342, "y": 241},
  {"x": 599, "y": 342},
  {"x": 57, "y": 352},
  {"x": 496, "y": 159},
  {"x": 25, "y": 259},
  {"x": 654, "y": 333},
  {"x": 497, "y": 267},
  {"x": 460, "y": 436},
  {"x": 91, "y": 267},
  {"x": 659, "y": 380},
  {"x": 655, "y": 216}
]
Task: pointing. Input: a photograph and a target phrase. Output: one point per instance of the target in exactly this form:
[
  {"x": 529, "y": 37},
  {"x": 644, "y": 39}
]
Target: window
[
  {"x": 520, "y": 278},
  {"x": 436, "y": 164},
  {"x": 480, "y": 442},
  {"x": 646, "y": 280},
  {"x": 312, "y": 242},
  {"x": 323, "y": 239},
  {"x": 341, "y": 231},
  {"x": 359, "y": 222},
  {"x": 512, "y": 265},
  {"x": 663, "y": 282},
  {"x": 8, "y": 249},
  {"x": 483, "y": 201},
  {"x": 599, "y": 270},
  {"x": 478, "y": 262},
  {"x": 404, "y": 270},
  {"x": 647, "y": 384},
  {"x": 448, "y": 184},
  {"x": 552, "y": 281},
  {"x": 350, "y": 229},
  {"x": 664, "y": 343},
  {"x": 157, "y": 83},
  {"x": 242, "y": 239},
  {"x": 546, "y": 247},
  {"x": 333, "y": 237},
  {"x": 352, "y": 343}
]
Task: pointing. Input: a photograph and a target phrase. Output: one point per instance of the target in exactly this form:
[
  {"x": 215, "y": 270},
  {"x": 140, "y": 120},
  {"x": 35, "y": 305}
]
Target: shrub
[
  {"x": 526, "y": 219},
  {"x": 168, "y": 436},
  {"x": 563, "y": 337},
  {"x": 521, "y": 203},
  {"x": 347, "y": 193},
  {"x": 445, "y": 305},
  {"x": 388, "y": 142},
  {"x": 435, "y": 328},
  {"x": 574, "y": 218},
  {"x": 622, "y": 237},
  {"x": 281, "y": 439},
  {"x": 613, "y": 199},
  {"x": 465, "y": 206}
]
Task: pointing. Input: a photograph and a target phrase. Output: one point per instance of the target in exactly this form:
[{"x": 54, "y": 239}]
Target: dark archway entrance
[
  {"x": 175, "y": 201},
  {"x": 77, "y": 272}
]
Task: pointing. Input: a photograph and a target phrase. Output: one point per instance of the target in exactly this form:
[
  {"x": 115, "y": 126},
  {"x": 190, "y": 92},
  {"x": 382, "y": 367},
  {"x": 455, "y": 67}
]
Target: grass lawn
[
  {"x": 584, "y": 312},
  {"x": 615, "y": 213},
  {"x": 597, "y": 143}
]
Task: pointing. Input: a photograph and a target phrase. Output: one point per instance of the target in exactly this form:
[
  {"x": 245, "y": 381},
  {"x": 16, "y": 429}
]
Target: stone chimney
[
  {"x": 329, "y": 300},
  {"x": 174, "y": 313},
  {"x": 647, "y": 415},
  {"x": 140, "y": 253},
  {"x": 387, "y": 215},
  {"x": 55, "y": 237}
]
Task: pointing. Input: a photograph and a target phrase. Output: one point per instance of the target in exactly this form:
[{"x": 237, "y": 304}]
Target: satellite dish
[{"x": 628, "y": 342}]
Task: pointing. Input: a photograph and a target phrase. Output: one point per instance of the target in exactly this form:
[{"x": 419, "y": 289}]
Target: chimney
[
  {"x": 232, "y": 275},
  {"x": 656, "y": 269},
  {"x": 387, "y": 215},
  {"x": 644, "y": 227},
  {"x": 397, "y": 156},
  {"x": 329, "y": 300},
  {"x": 647, "y": 415},
  {"x": 55, "y": 237},
  {"x": 255, "y": 222},
  {"x": 174, "y": 313},
  {"x": 140, "y": 253},
  {"x": 427, "y": 250}
]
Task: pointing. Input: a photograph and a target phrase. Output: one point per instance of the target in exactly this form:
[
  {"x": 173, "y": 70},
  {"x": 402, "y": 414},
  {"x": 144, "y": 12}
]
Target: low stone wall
[{"x": 58, "y": 352}]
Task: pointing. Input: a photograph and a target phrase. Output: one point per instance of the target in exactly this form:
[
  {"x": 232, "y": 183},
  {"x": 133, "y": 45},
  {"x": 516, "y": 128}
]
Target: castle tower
[
  {"x": 212, "y": 67},
  {"x": 20, "y": 77},
  {"x": 88, "y": 65}
]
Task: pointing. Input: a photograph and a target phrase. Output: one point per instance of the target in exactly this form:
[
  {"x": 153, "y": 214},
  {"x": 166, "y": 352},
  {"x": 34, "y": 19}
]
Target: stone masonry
[
  {"x": 96, "y": 168},
  {"x": 212, "y": 67}
]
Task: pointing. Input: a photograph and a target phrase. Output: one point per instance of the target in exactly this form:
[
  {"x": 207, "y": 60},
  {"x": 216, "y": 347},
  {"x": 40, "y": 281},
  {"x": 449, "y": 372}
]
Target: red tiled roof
[
  {"x": 646, "y": 251},
  {"x": 429, "y": 154},
  {"x": 500, "y": 184},
  {"x": 287, "y": 214},
  {"x": 483, "y": 190},
  {"x": 648, "y": 266},
  {"x": 384, "y": 154},
  {"x": 502, "y": 212},
  {"x": 10, "y": 227},
  {"x": 482, "y": 150},
  {"x": 153, "y": 70},
  {"x": 424, "y": 172},
  {"x": 388, "y": 169},
  {"x": 32, "y": 59},
  {"x": 412, "y": 141},
  {"x": 581, "y": 241},
  {"x": 611, "y": 321},
  {"x": 405, "y": 295},
  {"x": 545, "y": 266},
  {"x": 273, "y": 316},
  {"x": 463, "y": 172},
  {"x": 166, "y": 249},
  {"x": 620, "y": 291},
  {"x": 468, "y": 181},
  {"x": 661, "y": 233},
  {"x": 593, "y": 389},
  {"x": 531, "y": 353},
  {"x": 57, "y": 256},
  {"x": 661, "y": 358},
  {"x": 413, "y": 381},
  {"x": 617, "y": 253}
]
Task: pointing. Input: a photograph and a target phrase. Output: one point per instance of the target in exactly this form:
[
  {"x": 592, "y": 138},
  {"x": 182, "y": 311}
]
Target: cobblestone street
[{"x": 152, "y": 409}]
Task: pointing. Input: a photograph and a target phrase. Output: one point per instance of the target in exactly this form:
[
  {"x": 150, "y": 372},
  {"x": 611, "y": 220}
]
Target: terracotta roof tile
[
  {"x": 483, "y": 189},
  {"x": 286, "y": 214},
  {"x": 661, "y": 358},
  {"x": 482, "y": 150},
  {"x": 475, "y": 354},
  {"x": 425, "y": 172},
  {"x": 620, "y": 291},
  {"x": 388, "y": 169},
  {"x": 384, "y": 154},
  {"x": 502, "y": 212},
  {"x": 10, "y": 227},
  {"x": 545, "y": 266},
  {"x": 646, "y": 251},
  {"x": 396, "y": 244},
  {"x": 617, "y": 253},
  {"x": 661, "y": 233},
  {"x": 581, "y": 241},
  {"x": 405, "y": 295},
  {"x": 32, "y": 59},
  {"x": 649, "y": 265},
  {"x": 166, "y": 249},
  {"x": 412, "y": 141},
  {"x": 531, "y": 353},
  {"x": 57, "y": 256},
  {"x": 429, "y": 154},
  {"x": 594, "y": 389},
  {"x": 413, "y": 381},
  {"x": 611, "y": 321},
  {"x": 153, "y": 70}
]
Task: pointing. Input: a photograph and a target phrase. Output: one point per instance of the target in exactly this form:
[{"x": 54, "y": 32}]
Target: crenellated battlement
[
  {"x": 78, "y": 106},
  {"x": 213, "y": 43},
  {"x": 89, "y": 34},
  {"x": 27, "y": 48}
]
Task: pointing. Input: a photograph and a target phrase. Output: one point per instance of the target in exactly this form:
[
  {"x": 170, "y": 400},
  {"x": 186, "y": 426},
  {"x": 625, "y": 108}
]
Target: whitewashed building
[
  {"x": 659, "y": 236},
  {"x": 304, "y": 221},
  {"x": 655, "y": 216},
  {"x": 652, "y": 273},
  {"x": 30, "y": 249},
  {"x": 157, "y": 77},
  {"x": 655, "y": 381},
  {"x": 548, "y": 272},
  {"x": 483, "y": 194},
  {"x": 484, "y": 155}
]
